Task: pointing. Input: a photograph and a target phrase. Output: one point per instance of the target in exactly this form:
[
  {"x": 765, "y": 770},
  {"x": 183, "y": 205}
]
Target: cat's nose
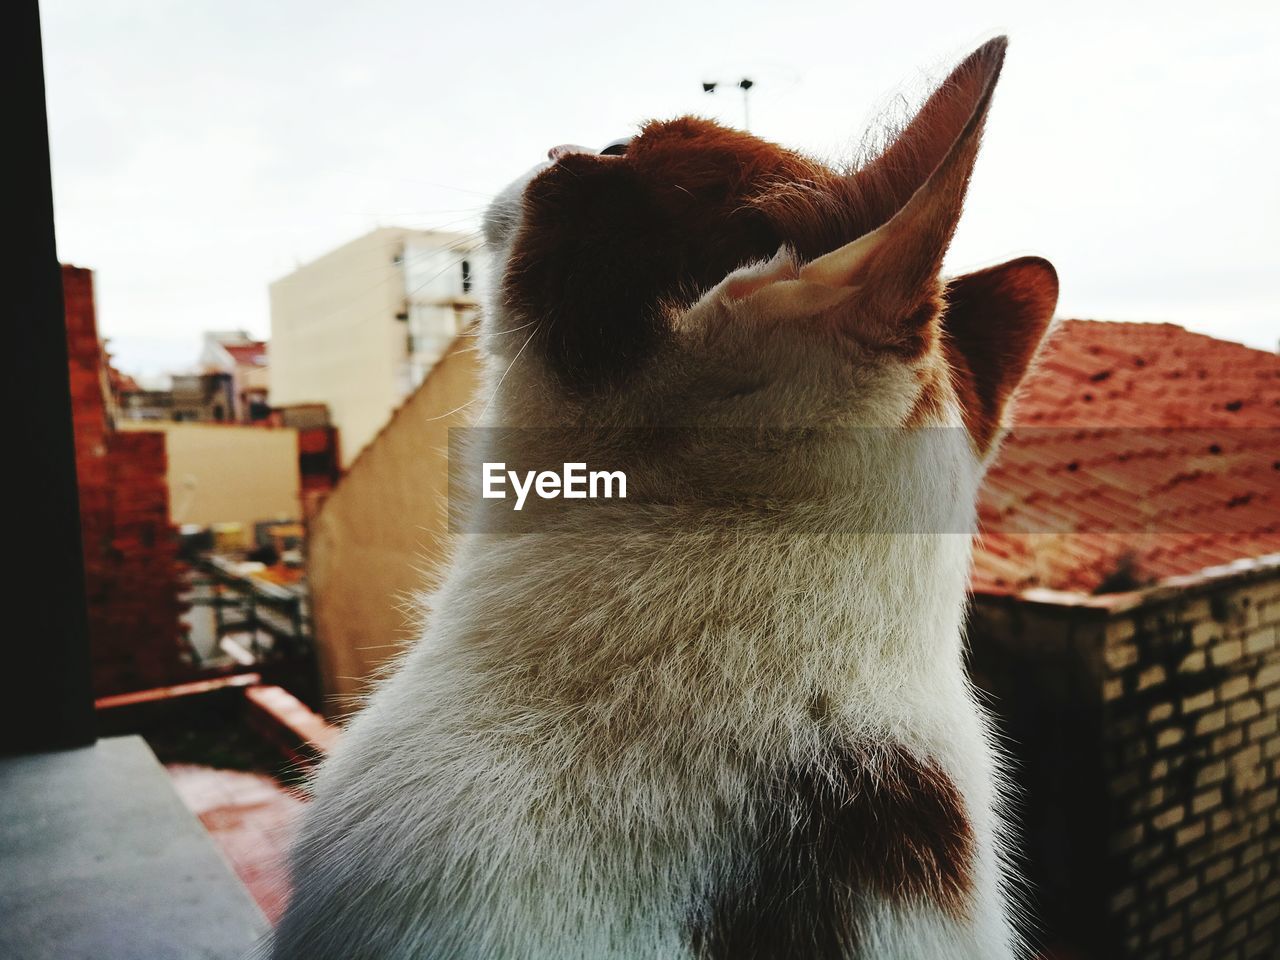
[
  {"x": 555, "y": 153},
  {"x": 615, "y": 149}
]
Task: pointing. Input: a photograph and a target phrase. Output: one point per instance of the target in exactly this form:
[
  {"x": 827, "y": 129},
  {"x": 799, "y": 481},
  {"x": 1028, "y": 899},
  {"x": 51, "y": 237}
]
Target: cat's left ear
[{"x": 994, "y": 323}]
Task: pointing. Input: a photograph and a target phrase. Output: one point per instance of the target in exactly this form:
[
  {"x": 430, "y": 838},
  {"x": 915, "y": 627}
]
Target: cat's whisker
[
  {"x": 498, "y": 333},
  {"x": 460, "y": 407},
  {"x": 498, "y": 385}
]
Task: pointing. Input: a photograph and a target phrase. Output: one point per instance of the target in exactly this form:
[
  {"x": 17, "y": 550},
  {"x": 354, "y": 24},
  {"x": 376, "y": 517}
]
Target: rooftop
[
  {"x": 1140, "y": 452},
  {"x": 247, "y": 354}
]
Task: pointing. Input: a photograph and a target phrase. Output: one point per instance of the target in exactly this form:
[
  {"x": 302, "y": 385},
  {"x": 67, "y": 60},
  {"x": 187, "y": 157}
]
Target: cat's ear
[
  {"x": 886, "y": 183},
  {"x": 995, "y": 321},
  {"x": 892, "y": 272}
]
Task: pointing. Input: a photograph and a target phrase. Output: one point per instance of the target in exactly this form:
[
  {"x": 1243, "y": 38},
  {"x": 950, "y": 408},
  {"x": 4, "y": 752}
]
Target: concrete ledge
[
  {"x": 102, "y": 861},
  {"x": 1244, "y": 570}
]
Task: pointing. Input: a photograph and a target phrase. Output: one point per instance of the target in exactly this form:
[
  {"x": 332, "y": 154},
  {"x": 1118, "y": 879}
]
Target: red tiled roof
[
  {"x": 247, "y": 354},
  {"x": 1140, "y": 452}
]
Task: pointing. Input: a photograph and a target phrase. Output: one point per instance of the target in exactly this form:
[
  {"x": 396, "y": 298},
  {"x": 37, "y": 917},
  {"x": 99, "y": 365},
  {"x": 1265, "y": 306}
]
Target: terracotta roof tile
[{"x": 1140, "y": 452}]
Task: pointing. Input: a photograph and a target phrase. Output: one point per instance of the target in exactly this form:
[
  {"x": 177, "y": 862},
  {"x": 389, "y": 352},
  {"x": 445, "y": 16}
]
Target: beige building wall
[
  {"x": 384, "y": 525},
  {"x": 343, "y": 326},
  {"x": 224, "y": 473}
]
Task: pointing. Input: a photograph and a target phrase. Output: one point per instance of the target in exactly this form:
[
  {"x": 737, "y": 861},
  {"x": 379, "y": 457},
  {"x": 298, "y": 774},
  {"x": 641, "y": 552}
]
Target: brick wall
[
  {"x": 1147, "y": 732},
  {"x": 1040, "y": 665},
  {"x": 1192, "y": 755},
  {"x": 130, "y": 548}
]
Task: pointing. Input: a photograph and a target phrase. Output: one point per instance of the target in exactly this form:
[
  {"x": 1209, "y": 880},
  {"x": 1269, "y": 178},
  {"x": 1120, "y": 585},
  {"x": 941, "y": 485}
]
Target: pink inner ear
[{"x": 757, "y": 278}]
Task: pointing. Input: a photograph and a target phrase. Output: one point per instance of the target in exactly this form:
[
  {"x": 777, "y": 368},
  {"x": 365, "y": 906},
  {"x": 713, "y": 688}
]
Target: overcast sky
[{"x": 201, "y": 150}]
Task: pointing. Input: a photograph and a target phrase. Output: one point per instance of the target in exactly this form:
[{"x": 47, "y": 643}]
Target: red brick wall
[{"x": 130, "y": 548}]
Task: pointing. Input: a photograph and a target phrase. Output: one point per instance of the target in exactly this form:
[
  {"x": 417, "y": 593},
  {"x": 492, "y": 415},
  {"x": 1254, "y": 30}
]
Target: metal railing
[{"x": 275, "y": 619}]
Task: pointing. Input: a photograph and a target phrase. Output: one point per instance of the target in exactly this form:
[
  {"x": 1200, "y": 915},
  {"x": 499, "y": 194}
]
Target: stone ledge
[
  {"x": 1172, "y": 588},
  {"x": 102, "y": 860}
]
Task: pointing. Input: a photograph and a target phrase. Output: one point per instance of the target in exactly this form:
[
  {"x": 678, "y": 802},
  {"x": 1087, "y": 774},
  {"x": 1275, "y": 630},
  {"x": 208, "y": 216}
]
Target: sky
[{"x": 202, "y": 150}]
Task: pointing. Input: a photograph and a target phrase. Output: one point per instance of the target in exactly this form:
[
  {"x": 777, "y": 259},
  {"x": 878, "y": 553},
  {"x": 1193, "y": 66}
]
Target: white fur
[{"x": 547, "y": 773}]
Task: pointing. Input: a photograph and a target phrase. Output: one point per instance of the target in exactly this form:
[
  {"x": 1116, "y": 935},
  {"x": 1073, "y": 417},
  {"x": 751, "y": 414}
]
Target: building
[
  {"x": 229, "y": 385},
  {"x": 243, "y": 359},
  {"x": 132, "y": 401},
  {"x": 225, "y": 473},
  {"x": 1143, "y": 451},
  {"x": 359, "y": 328},
  {"x": 202, "y": 398},
  {"x": 384, "y": 524}
]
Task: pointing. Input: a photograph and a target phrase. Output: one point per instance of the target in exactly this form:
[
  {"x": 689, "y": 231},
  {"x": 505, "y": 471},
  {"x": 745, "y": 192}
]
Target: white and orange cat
[{"x": 731, "y": 719}]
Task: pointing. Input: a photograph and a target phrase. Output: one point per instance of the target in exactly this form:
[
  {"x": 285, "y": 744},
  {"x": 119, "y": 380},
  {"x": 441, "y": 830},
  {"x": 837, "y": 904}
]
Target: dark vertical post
[{"x": 47, "y": 699}]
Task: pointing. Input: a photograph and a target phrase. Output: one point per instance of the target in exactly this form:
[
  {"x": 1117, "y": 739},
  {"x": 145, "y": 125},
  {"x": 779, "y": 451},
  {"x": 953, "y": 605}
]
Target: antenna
[{"x": 745, "y": 85}]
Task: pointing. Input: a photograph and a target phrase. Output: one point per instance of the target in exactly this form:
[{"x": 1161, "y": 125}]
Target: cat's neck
[{"x": 867, "y": 613}]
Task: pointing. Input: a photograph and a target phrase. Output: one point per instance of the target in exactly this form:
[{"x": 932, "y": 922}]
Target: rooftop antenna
[{"x": 745, "y": 85}]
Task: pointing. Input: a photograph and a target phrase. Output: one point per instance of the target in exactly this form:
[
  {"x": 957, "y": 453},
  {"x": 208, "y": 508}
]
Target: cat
[{"x": 730, "y": 719}]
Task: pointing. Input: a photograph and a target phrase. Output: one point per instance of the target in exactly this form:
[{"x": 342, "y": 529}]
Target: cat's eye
[{"x": 617, "y": 148}]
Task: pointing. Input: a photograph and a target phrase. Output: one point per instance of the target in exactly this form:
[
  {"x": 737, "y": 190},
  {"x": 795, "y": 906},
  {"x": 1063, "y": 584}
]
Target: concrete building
[
  {"x": 227, "y": 473},
  {"x": 384, "y": 525},
  {"x": 359, "y": 328},
  {"x": 228, "y": 385},
  {"x": 202, "y": 398}
]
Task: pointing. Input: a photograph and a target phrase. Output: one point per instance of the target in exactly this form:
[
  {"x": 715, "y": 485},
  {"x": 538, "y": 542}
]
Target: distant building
[
  {"x": 384, "y": 523},
  {"x": 1143, "y": 451},
  {"x": 134, "y": 402},
  {"x": 219, "y": 473},
  {"x": 229, "y": 385},
  {"x": 203, "y": 398},
  {"x": 319, "y": 464},
  {"x": 244, "y": 360},
  {"x": 359, "y": 328}
]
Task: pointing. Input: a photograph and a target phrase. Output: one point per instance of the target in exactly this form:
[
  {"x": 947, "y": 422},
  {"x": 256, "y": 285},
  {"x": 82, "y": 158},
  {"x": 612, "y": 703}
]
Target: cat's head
[{"x": 697, "y": 274}]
